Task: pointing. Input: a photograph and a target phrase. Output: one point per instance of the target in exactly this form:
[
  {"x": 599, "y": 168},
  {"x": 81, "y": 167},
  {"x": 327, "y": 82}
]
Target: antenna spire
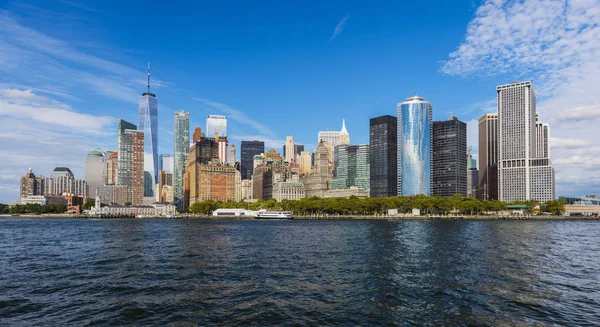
[{"x": 148, "y": 77}]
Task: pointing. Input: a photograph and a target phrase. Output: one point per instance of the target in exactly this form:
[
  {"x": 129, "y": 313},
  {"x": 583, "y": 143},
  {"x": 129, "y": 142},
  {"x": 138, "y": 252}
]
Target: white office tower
[
  {"x": 290, "y": 153},
  {"x": 522, "y": 175}
]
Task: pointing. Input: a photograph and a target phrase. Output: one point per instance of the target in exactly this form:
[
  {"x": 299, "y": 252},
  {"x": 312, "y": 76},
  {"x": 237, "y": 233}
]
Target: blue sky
[{"x": 69, "y": 70}]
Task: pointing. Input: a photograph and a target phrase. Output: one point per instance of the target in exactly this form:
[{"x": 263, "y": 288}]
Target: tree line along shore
[{"x": 313, "y": 208}]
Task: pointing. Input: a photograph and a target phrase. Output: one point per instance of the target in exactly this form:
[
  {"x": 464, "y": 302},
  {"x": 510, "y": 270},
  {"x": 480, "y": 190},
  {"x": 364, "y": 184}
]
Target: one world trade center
[{"x": 148, "y": 123}]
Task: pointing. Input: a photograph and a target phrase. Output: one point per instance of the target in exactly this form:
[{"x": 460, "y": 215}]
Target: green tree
[
  {"x": 89, "y": 204},
  {"x": 555, "y": 207}
]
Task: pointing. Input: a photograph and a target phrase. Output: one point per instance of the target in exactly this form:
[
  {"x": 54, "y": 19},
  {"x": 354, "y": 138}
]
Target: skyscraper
[
  {"x": 231, "y": 157},
  {"x": 181, "y": 141},
  {"x": 333, "y": 138},
  {"x": 248, "y": 150},
  {"x": 304, "y": 163},
  {"x": 166, "y": 162},
  {"x": 289, "y": 155},
  {"x": 131, "y": 164},
  {"x": 487, "y": 185},
  {"x": 95, "y": 170},
  {"x": 449, "y": 167},
  {"x": 353, "y": 167},
  {"x": 472, "y": 175},
  {"x": 319, "y": 180},
  {"x": 31, "y": 185},
  {"x": 414, "y": 146},
  {"x": 516, "y": 117},
  {"x": 148, "y": 123},
  {"x": 216, "y": 126},
  {"x": 121, "y": 164},
  {"x": 383, "y": 157},
  {"x": 522, "y": 175}
]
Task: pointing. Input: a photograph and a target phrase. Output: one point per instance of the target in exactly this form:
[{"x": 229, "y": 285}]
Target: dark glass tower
[
  {"x": 249, "y": 150},
  {"x": 449, "y": 167},
  {"x": 383, "y": 157}
]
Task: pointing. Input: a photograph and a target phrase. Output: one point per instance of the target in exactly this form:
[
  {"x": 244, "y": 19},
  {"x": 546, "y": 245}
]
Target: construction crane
[{"x": 218, "y": 130}]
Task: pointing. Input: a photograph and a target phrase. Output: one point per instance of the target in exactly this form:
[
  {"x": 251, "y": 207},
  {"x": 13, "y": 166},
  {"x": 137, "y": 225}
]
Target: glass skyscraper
[
  {"x": 353, "y": 167},
  {"x": 383, "y": 156},
  {"x": 216, "y": 124},
  {"x": 165, "y": 162},
  {"x": 414, "y": 146},
  {"x": 248, "y": 150},
  {"x": 181, "y": 140},
  {"x": 148, "y": 123}
]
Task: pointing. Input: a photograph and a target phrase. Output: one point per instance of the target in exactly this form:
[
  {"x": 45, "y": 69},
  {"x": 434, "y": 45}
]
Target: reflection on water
[{"x": 157, "y": 272}]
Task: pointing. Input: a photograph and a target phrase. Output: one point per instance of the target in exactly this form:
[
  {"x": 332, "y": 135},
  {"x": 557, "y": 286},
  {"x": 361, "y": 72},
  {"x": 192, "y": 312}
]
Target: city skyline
[{"x": 83, "y": 130}]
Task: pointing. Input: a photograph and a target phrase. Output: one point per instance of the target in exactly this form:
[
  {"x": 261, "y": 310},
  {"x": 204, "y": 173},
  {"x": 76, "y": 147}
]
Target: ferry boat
[{"x": 265, "y": 214}]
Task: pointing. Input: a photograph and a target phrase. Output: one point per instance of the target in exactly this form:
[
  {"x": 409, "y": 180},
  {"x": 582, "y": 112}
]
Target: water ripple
[{"x": 299, "y": 273}]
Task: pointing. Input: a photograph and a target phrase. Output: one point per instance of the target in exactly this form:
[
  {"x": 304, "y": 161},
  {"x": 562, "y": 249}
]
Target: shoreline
[{"x": 319, "y": 217}]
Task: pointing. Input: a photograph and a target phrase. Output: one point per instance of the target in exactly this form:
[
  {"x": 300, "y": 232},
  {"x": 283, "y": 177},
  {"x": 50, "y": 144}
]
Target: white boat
[{"x": 265, "y": 214}]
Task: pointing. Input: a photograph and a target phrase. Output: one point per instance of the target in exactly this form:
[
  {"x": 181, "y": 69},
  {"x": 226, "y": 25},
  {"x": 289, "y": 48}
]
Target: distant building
[
  {"x": 148, "y": 124},
  {"x": 262, "y": 182},
  {"x": 449, "y": 167},
  {"x": 111, "y": 169},
  {"x": 223, "y": 145},
  {"x": 165, "y": 179},
  {"x": 63, "y": 181},
  {"x": 414, "y": 146},
  {"x": 152, "y": 210},
  {"x": 31, "y": 185},
  {"x": 181, "y": 136},
  {"x": 353, "y": 167},
  {"x": 123, "y": 163},
  {"x": 113, "y": 194},
  {"x": 346, "y": 193},
  {"x": 231, "y": 158},
  {"x": 290, "y": 156},
  {"x": 238, "y": 185},
  {"x": 248, "y": 150},
  {"x": 522, "y": 175},
  {"x": 472, "y": 175},
  {"x": 304, "y": 163},
  {"x": 95, "y": 170},
  {"x": 288, "y": 191},
  {"x": 198, "y": 134},
  {"x": 298, "y": 149},
  {"x": 319, "y": 180},
  {"x": 204, "y": 151},
  {"x": 131, "y": 172},
  {"x": 383, "y": 159},
  {"x": 210, "y": 181},
  {"x": 487, "y": 185},
  {"x": 272, "y": 154},
  {"x": 334, "y": 138},
  {"x": 216, "y": 126},
  {"x": 166, "y": 194},
  {"x": 166, "y": 162},
  {"x": 247, "y": 189}
]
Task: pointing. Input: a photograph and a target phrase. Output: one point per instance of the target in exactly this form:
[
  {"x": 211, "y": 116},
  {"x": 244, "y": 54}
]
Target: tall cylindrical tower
[{"x": 414, "y": 146}]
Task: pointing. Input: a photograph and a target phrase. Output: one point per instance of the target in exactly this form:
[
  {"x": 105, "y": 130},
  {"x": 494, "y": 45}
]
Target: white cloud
[
  {"x": 270, "y": 143},
  {"x": 556, "y": 45},
  {"x": 24, "y": 104},
  {"x": 556, "y": 143},
  {"x": 339, "y": 28},
  {"x": 582, "y": 113}
]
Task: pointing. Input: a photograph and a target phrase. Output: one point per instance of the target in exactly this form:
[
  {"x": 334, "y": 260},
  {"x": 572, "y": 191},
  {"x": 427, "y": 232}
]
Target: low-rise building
[
  {"x": 152, "y": 210},
  {"x": 289, "y": 190},
  {"x": 346, "y": 193}
]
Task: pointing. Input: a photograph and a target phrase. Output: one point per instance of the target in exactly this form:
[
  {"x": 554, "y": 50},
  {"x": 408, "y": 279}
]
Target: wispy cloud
[
  {"x": 555, "y": 44},
  {"x": 270, "y": 143},
  {"x": 79, "y": 5},
  {"x": 238, "y": 116},
  {"x": 339, "y": 28}
]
